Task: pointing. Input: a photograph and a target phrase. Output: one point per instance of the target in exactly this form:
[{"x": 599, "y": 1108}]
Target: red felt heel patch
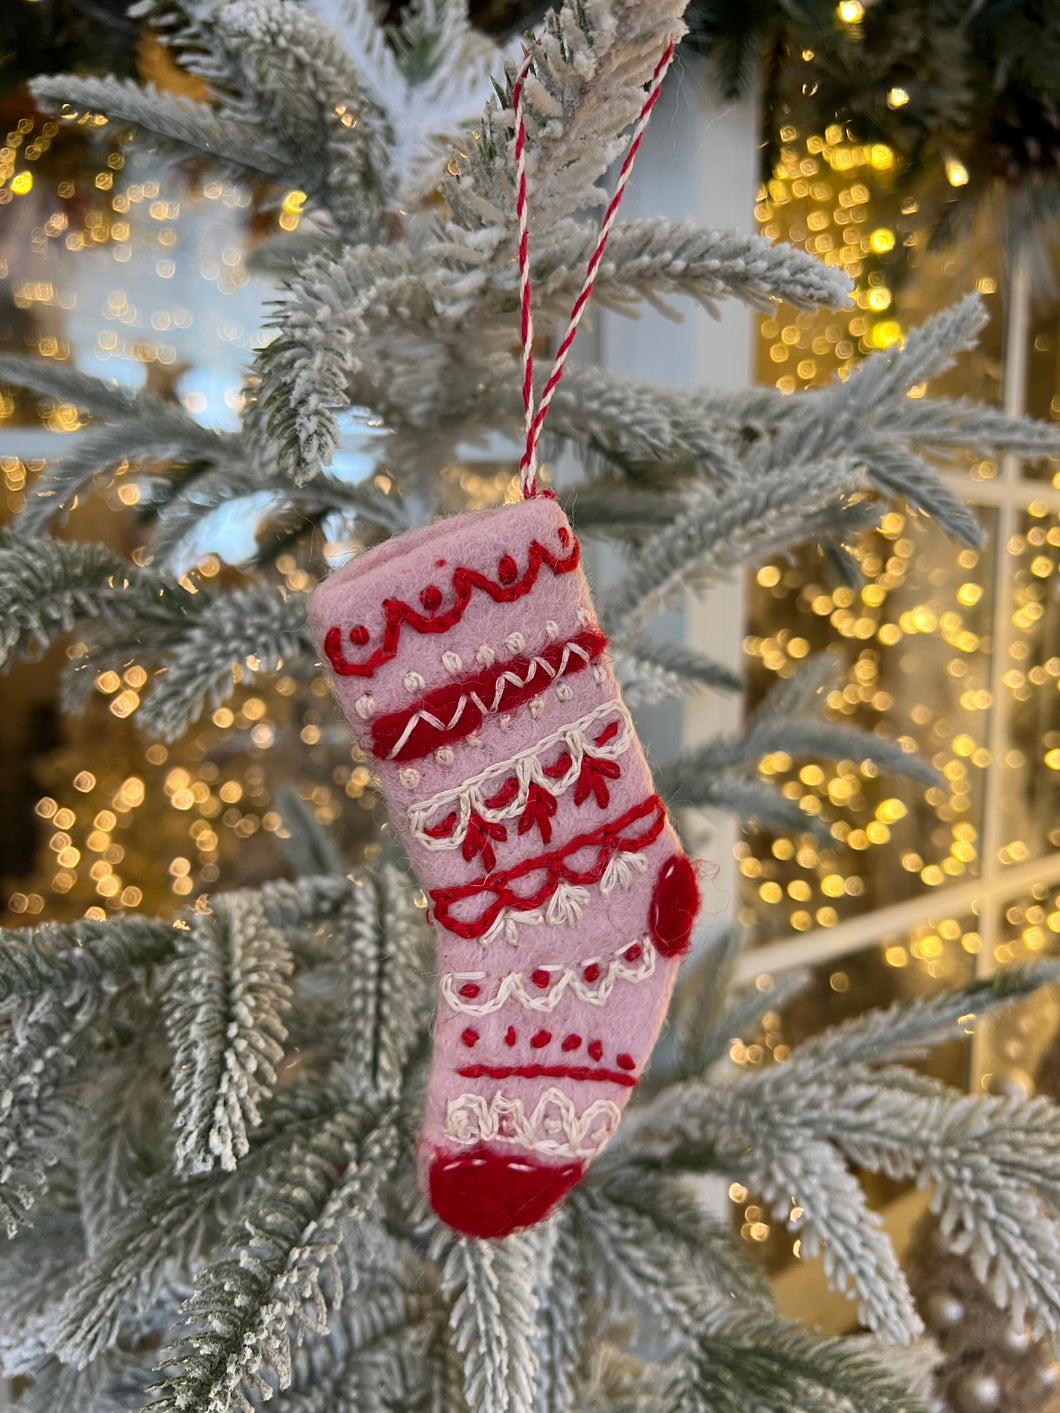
[
  {"x": 483, "y": 1194},
  {"x": 674, "y": 905}
]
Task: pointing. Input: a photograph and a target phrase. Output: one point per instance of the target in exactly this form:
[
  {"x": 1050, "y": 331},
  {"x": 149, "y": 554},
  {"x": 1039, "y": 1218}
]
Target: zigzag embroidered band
[
  {"x": 591, "y": 981},
  {"x": 508, "y": 587},
  {"x": 451, "y": 712}
]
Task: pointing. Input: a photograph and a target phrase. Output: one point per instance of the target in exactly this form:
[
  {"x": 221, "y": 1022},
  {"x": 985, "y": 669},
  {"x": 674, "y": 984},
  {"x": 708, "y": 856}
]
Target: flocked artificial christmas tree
[{"x": 208, "y": 1171}]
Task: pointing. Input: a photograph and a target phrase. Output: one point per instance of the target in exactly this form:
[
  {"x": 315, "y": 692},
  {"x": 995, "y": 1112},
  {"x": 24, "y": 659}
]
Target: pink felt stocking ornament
[{"x": 468, "y": 658}]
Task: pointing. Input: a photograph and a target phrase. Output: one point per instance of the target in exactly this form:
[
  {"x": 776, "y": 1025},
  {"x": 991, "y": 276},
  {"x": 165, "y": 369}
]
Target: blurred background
[{"x": 916, "y": 146}]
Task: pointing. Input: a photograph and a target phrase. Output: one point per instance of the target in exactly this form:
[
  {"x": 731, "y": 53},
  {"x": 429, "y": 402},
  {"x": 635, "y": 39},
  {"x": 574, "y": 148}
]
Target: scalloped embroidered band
[{"x": 608, "y": 840}]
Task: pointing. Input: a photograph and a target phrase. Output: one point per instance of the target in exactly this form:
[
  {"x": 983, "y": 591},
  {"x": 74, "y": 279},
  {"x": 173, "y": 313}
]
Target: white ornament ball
[
  {"x": 1017, "y": 1341},
  {"x": 978, "y": 1393},
  {"x": 944, "y": 1310}
]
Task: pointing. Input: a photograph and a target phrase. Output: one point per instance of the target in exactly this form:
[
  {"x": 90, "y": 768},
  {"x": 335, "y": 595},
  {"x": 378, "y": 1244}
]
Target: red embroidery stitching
[
  {"x": 477, "y": 841},
  {"x": 397, "y": 613},
  {"x": 608, "y": 839},
  {"x": 593, "y": 778},
  {"x": 561, "y": 765},
  {"x": 459, "y": 707},
  {"x": 575, "y": 1072},
  {"x": 505, "y": 795},
  {"x": 541, "y": 805}
]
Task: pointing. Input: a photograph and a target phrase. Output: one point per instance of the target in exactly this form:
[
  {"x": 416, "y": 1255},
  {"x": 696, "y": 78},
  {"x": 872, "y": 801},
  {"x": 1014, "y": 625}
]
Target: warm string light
[
  {"x": 821, "y": 197},
  {"x": 145, "y": 231},
  {"x": 922, "y": 612},
  {"x": 193, "y": 805}
]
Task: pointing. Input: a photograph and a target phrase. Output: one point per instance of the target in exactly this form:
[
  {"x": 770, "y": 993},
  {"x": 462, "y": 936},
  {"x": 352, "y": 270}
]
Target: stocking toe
[{"x": 483, "y": 1193}]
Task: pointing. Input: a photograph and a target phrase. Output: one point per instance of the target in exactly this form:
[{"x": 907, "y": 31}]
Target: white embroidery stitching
[
  {"x": 506, "y": 680},
  {"x": 565, "y": 906},
  {"x": 561, "y": 979},
  {"x": 527, "y": 768},
  {"x": 554, "y": 1127}
]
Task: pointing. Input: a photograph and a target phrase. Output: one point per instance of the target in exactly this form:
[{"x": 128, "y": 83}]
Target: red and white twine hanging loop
[{"x": 535, "y": 419}]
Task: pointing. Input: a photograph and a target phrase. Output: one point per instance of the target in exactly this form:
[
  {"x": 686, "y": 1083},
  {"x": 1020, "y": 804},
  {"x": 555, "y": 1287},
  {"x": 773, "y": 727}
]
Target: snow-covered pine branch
[
  {"x": 429, "y": 76},
  {"x": 994, "y": 1164},
  {"x": 279, "y": 1278},
  {"x": 65, "y": 383},
  {"x": 224, "y": 628},
  {"x": 380, "y": 932},
  {"x": 192, "y": 129},
  {"x": 649, "y": 671},
  {"x": 592, "y": 62},
  {"x": 155, "y": 432},
  {"x": 562, "y": 1319},
  {"x": 490, "y": 1289},
  {"x": 41, "y": 1043},
  {"x": 344, "y": 314},
  {"x": 309, "y": 96},
  {"x": 148, "y": 1249},
  {"x": 653, "y": 258},
  {"x": 743, "y": 523},
  {"x": 647, "y": 1235},
  {"x": 186, "y": 510},
  {"x": 747, "y": 1361},
  {"x": 55, "y": 956},
  {"x": 46, "y": 586},
  {"x": 224, "y": 1008},
  {"x": 779, "y": 725}
]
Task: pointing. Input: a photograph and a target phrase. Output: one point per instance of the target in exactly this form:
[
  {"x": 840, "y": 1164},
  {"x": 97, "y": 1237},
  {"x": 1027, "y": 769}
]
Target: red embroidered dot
[
  {"x": 633, "y": 954},
  {"x": 359, "y": 635},
  {"x": 470, "y": 990},
  {"x": 596, "y": 1049},
  {"x": 507, "y": 569},
  {"x": 541, "y": 1039},
  {"x": 572, "y": 1042},
  {"x": 540, "y": 978},
  {"x": 470, "y": 1037},
  {"x": 431, "y": 597},
  {"x": 439, "y": 563},
  {"x": 592, "y": 973},
  {"x": 509, "y": 1035},
  {"x": 626, "y": 1062},
  {"x": 674, "y": 904}
]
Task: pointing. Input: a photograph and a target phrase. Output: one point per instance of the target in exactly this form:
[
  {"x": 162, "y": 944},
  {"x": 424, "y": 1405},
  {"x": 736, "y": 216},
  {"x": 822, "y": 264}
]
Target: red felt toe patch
[
  {"x": 486, "y": 1194},
  {"x": 674, "y": 905}
]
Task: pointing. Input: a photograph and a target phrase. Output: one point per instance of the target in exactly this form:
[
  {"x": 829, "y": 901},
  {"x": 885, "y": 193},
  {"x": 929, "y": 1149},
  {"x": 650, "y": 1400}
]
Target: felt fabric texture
[{"x": 469, "y": 662}]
